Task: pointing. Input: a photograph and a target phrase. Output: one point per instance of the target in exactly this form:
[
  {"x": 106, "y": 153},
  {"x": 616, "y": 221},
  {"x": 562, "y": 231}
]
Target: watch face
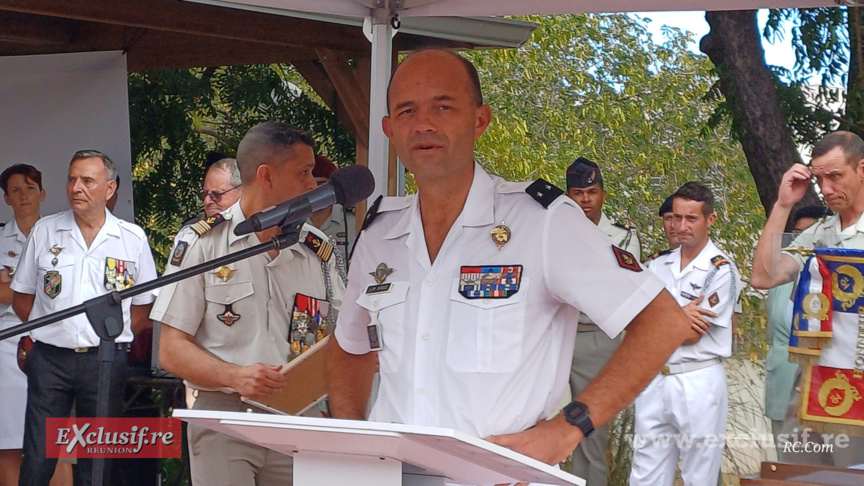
[{"x": 576, "y": 410}]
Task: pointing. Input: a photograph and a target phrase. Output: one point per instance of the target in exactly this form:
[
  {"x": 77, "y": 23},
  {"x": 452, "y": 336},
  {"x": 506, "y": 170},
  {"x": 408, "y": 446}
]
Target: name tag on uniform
[
  {"x": 688, "y": 296},
  {"x": 489, "y": 282},
  {"x": 378, "y": 289}
]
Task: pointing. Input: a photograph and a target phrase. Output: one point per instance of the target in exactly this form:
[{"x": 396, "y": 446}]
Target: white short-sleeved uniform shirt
[
  {"x": 79, "y": 273},
  {"x": 11, "y": 244},
  {"x": 484, "y": 365},
  {"x": 688, "y": 284}
]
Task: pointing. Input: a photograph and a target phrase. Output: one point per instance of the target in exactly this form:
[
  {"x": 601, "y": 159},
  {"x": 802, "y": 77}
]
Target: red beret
[{"x": 323, "y": 167}]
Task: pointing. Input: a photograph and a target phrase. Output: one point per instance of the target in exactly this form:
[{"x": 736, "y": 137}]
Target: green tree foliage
[
  {"x": 178, "y": 116},
  {"x": 597, "y": 86}
]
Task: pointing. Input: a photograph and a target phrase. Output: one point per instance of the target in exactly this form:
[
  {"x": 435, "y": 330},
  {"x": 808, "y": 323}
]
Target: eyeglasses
[{"x": 216, "y": 197}]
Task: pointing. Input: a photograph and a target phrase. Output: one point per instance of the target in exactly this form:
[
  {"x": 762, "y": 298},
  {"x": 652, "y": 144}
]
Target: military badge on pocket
[
  {"x": 489, "y": 282},
  {"x": 119, "y": 274},
  {"x": 309, "y": 322},
  {"x": 53, "y": 283}
]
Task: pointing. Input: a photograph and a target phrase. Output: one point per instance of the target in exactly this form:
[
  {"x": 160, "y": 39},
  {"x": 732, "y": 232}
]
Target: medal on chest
[
  {"x": 119, "y": 274},
  {"x": 309, "y": 322}
]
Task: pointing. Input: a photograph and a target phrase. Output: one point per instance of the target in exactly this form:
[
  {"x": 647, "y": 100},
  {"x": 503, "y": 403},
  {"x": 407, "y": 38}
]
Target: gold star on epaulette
[
  {"x": 321, "y": 247},
  {"x": 205, "y": 225}
]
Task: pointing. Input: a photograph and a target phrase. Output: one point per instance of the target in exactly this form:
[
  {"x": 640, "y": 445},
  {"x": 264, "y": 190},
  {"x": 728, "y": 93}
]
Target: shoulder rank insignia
[
  {"x": 371, "y": 213},
  {"x": 543, "y": 192},
  {"x": 659, "y": 254},
  {"x": 318, "y": 245},
  {"x": 719, "y": 260},
  {"x": 626, "y": 259},
  {"x": 206, "y": 225}
]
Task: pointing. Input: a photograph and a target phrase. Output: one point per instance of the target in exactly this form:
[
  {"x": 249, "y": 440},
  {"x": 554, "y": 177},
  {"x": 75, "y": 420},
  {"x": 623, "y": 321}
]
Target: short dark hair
[
  {"x": 813, "y": 211},
  {"x": 695, "y": 191},
  {"x": 270, "y": 136},
  {"x": 473, "y": 76},
  {"x": 110, "y": 167},
  {"x": 851, "y": 144},
  {"x": 28, "y": 171}
]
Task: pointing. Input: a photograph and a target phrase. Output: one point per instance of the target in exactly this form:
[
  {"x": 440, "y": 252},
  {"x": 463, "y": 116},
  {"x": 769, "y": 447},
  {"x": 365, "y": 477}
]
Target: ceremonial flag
[{"x": 829, "y": 307}]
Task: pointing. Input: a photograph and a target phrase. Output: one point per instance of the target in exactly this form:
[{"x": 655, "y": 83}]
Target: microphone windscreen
[{"x": 352, "y": 184}]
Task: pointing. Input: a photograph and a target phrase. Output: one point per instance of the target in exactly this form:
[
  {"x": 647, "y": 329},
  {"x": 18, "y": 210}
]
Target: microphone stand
[{"x": 105, "y": 313}]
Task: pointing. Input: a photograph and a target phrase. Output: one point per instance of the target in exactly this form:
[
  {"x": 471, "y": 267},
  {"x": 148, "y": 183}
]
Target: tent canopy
[{"x": 422, "y": 8}]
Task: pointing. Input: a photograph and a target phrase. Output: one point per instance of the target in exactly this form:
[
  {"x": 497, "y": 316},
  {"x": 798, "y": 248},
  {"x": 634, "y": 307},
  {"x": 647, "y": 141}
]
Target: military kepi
[{"x": 583, "y": 173}]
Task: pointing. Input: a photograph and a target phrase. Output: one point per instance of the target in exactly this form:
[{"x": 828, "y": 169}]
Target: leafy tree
[{"x": 636, "y": 108}]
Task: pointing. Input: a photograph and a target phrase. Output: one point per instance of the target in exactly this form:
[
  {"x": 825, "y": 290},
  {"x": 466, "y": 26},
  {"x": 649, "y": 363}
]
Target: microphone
[{"x": 347, "y": 187}]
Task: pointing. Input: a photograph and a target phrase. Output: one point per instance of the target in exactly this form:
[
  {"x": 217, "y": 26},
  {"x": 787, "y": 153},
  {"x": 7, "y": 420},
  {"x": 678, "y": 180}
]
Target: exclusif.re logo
[{"x": 81, "y": 437}]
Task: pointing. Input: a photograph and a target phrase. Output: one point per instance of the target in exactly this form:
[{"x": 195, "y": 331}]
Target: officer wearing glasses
[{"x": 221, "y": 189}]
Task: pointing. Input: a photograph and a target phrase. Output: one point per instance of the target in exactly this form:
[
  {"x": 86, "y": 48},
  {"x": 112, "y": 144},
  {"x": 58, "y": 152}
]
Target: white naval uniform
[
  {"x": 13, "y": 382},
  {"x": 82, "y": 271},
  {"x": 483, "y": 366},
  {"x": 593, "y": 349},
  {"x": 690, "y": 403}
]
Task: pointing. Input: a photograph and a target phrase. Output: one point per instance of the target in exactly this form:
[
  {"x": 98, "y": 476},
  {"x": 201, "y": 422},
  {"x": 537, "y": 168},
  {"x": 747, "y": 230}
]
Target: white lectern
[{"x": 333, "y": 452}]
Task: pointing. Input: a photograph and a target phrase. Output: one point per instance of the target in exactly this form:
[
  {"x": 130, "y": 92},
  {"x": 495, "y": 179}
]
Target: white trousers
[{"x": 680, "y": 416}]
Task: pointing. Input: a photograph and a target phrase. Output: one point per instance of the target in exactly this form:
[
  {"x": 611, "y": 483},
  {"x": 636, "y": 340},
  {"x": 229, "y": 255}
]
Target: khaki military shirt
[
  {"x": 343, "y": 236},
  {"x": 827, "y": 233},
  {"x": 243, "y": 315}
]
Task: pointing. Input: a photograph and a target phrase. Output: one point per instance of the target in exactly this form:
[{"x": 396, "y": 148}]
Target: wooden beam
[
  {"x": 168, "y": 50},
  {"x": 200, "y": 19},
  {"x": 314, "y": 74},
  {"x": 342, "y": 77},
  {"x": 33, "y": 30}
]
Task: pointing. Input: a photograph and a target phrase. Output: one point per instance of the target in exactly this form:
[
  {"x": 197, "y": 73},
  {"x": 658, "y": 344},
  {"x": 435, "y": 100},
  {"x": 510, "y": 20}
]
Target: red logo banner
[
  {"x": 110, "y": 437},
  {"x": 833, "y": 395}
]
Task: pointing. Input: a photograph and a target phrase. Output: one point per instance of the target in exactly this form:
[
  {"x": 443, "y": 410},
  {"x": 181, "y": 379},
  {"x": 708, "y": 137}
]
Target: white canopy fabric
[
  {"x": 462, "y": 8},
  {"x": 380, "y": 13}
]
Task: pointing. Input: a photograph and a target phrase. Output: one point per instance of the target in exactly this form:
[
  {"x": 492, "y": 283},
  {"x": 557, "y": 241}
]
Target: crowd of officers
[{"x": 464, "y": 299}]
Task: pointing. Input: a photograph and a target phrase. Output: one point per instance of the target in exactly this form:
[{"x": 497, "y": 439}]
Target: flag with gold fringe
[{"x": 827, "y": 339}]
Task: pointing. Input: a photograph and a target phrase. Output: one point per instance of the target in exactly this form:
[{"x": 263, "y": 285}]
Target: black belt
[{"x": 94, "y": 349}]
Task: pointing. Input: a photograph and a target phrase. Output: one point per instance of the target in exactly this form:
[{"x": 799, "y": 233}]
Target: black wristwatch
[{"x": 576, "y": 413}]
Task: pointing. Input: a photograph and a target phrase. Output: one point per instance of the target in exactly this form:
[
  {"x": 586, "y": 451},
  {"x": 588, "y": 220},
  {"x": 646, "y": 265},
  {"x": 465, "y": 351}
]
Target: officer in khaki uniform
[
  {"x": 227, "y": 332},
  {"x": 593, "y": 347},
  {"x": 337, "y": 221}
]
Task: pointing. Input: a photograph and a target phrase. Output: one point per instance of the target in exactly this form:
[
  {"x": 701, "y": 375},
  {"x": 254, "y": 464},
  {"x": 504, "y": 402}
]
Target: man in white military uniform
[
  {"x": 71, "y": 257},
  {"x": 461, "y": 290},
  {"x": 594, "y": 347},
  {"x": 687, "y": 400},
  {"x": 838, "y": 166},
  {"x": 228, "y": 332}
]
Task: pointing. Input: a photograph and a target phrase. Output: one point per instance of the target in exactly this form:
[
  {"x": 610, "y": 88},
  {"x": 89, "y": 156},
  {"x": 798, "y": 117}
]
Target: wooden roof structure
[{"x": 170, "y": 34}]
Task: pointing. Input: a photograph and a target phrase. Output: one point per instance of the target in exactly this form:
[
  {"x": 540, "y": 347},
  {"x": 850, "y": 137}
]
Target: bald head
[
  {"x": 266, "y": 143},
  {"x": 443, "y": 58}
]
